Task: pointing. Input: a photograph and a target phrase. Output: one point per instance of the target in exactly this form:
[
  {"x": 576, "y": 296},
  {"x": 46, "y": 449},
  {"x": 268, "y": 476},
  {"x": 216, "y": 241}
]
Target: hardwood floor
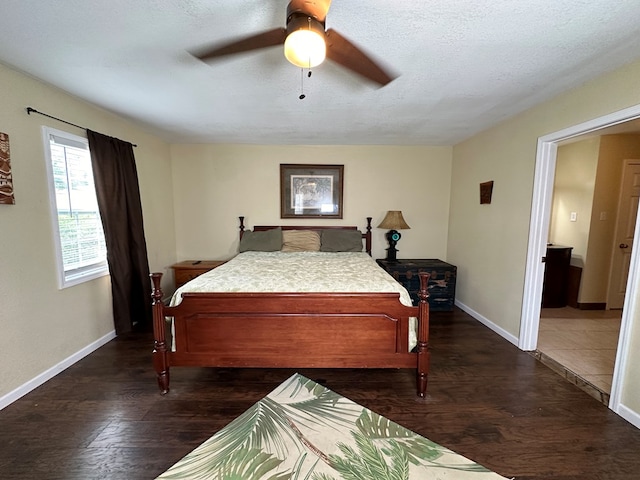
[{"x": 103, "y": 418}]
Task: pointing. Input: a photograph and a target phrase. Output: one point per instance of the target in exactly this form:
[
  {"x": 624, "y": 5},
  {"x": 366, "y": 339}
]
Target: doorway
[
  {"x": 538, "y": 234},
  {"x": 578, "y": 336}
]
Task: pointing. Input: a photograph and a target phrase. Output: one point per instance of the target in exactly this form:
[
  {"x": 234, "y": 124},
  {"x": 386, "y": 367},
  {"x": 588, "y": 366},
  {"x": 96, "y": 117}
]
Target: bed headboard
[{"x": 366, "y": 235}]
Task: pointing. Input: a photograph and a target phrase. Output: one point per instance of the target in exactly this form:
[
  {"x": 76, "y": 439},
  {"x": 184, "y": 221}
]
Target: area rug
[{"x": 304, "y": 431}]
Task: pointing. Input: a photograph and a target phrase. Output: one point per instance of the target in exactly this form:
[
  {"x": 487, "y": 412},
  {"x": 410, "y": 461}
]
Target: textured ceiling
[{"x": 463, "y": 65}]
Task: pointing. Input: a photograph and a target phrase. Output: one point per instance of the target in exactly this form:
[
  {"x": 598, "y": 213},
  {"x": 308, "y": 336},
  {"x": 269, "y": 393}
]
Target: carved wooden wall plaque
[{"x": 6, "y": 180}]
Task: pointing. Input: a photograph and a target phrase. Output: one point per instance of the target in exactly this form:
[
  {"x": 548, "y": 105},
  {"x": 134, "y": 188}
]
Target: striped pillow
[{"x": 300, "y": 241}]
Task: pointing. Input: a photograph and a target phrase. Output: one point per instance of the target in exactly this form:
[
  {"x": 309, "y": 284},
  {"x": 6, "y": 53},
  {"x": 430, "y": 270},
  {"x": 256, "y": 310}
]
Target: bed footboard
[{"x": 294, "y": 330}]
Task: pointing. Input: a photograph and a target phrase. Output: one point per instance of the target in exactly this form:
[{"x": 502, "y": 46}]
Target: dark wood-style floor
[{"x": 104, "y": 417}]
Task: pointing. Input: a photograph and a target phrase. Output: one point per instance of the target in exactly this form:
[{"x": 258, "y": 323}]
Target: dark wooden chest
[{"x": 442, "y": 280}]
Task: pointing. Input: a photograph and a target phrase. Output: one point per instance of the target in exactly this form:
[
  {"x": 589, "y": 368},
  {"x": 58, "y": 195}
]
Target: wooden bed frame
[{"x": 292, "y": 330}]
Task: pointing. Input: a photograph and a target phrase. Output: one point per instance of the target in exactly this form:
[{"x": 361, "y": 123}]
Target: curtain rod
[{"x": 33, "y": 110}]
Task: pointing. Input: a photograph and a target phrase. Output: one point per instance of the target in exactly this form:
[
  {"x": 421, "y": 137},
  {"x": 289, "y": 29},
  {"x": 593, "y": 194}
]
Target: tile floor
[{"x": 581, "y": 344}]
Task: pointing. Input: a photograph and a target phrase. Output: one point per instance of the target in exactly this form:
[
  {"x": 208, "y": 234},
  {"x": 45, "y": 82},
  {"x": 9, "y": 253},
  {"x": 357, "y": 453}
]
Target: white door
[{"x": 623, "y": 240}]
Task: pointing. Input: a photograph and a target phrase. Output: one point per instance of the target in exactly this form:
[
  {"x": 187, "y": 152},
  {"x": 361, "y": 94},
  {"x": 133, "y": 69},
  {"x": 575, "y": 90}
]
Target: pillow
[
  {"x": 341, "y": 240},
  {"x": 265, "y": 241},
  {"x": 300, "y": 241}
]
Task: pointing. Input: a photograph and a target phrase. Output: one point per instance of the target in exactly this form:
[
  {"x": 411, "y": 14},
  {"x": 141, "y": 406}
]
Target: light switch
[{"x": 573, "y": 217}]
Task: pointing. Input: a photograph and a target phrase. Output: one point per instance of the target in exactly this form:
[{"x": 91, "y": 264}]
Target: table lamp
[{"x": 394, "y": 221}]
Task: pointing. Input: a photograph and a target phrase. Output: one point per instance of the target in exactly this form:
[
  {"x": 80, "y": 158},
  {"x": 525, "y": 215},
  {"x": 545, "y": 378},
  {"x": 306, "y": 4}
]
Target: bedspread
[{"x": 350, "y": 272}]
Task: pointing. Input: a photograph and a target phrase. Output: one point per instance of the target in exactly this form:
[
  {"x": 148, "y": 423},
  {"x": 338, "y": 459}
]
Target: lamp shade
[{"x": 394, "y": 220}]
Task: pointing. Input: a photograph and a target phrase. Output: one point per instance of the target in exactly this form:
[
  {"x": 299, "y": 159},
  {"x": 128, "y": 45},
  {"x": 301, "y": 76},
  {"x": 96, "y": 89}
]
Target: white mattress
[{"x": 299, "y": 272}]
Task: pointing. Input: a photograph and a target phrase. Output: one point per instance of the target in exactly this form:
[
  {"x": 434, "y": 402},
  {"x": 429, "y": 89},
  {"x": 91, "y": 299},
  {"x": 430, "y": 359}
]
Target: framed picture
[{"x": 311, "y": 191}]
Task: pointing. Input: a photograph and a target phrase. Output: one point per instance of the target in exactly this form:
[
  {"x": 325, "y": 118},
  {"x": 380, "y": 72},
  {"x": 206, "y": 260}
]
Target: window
[{"x": 77, "y": 229}]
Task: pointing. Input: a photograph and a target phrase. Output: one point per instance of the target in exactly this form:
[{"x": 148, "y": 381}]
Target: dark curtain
[{"x": 116, "y": 180}]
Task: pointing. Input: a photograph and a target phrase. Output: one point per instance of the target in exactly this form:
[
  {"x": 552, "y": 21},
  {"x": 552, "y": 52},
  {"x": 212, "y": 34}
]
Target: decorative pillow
[
  {"x": 334, "y": 240},
  {"x": 300, "y": 241},
  {"x": 264, "y": 241}
]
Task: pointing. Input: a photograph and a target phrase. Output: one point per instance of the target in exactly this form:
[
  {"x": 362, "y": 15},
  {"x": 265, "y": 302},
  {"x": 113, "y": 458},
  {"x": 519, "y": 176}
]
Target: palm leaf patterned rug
[{"x": 304, "y": 431}]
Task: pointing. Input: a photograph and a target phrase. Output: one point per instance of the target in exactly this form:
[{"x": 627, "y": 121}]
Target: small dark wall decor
[
  {"x": 486, "y": 190},
  {"x": 311, "y": 191},
  {"x": 6, "y": 178}
]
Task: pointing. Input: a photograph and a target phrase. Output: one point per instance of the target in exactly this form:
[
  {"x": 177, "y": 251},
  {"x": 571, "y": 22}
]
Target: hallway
[{"x": 581, "y": 345}]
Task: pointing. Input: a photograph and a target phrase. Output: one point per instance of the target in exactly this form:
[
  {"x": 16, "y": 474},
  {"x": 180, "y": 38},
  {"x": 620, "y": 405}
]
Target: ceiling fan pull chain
[
  {"x": 302, "y": 95},
  {"x": 309, "y": 72}
]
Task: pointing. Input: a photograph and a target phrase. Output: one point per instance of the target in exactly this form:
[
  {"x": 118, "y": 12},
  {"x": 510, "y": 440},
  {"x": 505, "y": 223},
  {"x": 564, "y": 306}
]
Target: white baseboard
[
  {"x": 488, "y": 323},
  {"x": 629, "y": 415},
  {"x": 22, "y": 390}
]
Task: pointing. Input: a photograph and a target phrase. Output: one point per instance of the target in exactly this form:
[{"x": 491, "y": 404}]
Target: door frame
[{"x": 538, "y": 236}]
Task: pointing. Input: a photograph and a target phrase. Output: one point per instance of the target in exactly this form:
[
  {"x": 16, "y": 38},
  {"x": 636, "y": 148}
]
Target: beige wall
[
  {"x": 214, "y": 184},
  {"x": 631, "y": 377},
  {"x": 488, "y": 243},
  {"x": 573, "y": 187},
  {"x": 41, "y": 325}
]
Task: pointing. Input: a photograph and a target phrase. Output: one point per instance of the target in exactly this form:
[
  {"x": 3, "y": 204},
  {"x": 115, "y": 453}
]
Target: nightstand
[
  {"x": 190, "y": 269},
  {"x": 442, "y": 280}
]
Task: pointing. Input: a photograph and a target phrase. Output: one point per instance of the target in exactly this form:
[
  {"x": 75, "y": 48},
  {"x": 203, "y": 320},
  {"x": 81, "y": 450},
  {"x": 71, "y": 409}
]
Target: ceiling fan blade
[
  {"x": 342, "y": 51},
  {"x": 269, "y": 38},
  {"x": 315, "y": 8}
]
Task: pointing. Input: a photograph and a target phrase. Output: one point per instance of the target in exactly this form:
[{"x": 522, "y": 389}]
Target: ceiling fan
[{"x": 306, "y": 43}]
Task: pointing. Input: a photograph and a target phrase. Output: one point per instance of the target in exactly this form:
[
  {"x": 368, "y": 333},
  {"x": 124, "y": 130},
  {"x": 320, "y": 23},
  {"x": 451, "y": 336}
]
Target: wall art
[
  {"x": 311, "y": 191},
  {"x": 6, "y": 179}
]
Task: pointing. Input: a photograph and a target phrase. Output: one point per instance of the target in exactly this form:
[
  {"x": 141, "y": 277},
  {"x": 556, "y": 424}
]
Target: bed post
[
  {"x": 241, "y": 227},
  {"x": 424, "y": 355},
  {"x": 368, "y": 236},
  {"x": 159, "y": 335}
]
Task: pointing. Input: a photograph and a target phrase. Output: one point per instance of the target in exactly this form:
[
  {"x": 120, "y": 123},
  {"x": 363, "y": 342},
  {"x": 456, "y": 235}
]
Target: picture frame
[{"x": 311, "y": 191}]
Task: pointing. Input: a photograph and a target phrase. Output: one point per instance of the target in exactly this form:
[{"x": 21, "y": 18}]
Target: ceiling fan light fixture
[{"x": 305, "y": 45}]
